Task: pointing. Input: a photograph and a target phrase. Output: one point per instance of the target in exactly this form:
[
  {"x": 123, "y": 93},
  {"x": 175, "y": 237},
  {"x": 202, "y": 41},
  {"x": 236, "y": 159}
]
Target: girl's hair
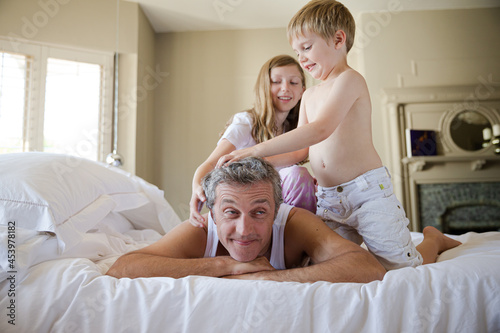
[
  {"x": 325, "y": 18},
  {"x": 263, "y": 114}
]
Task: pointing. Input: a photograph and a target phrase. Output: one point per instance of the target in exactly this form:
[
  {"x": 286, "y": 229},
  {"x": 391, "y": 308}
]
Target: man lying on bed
[{"x": 249, "y": 234}]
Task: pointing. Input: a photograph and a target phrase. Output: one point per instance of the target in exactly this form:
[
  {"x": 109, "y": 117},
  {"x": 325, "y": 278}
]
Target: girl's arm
[
  {"x": 343, "y": 93},
  {"x": 197, "y": 194}
]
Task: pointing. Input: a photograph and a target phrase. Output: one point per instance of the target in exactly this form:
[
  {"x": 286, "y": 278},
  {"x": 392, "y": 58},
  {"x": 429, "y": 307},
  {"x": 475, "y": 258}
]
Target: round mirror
[{"x": 470, "y": 130}]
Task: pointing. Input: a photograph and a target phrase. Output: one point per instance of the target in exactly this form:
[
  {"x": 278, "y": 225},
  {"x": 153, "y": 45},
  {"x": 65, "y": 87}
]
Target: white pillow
[{"x": 68, "y": 196}]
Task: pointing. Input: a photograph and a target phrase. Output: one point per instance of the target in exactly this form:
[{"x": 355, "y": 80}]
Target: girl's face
[{"x": 286, "y": 87}]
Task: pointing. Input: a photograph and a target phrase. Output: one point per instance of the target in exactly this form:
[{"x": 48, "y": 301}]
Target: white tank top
[{"x": 277, "y": 247}]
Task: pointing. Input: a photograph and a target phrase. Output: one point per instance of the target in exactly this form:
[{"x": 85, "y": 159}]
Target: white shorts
[{"x": 366, "y": 209}]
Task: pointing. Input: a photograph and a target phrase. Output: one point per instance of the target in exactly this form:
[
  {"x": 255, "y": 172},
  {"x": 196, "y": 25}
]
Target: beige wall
[
  {"x": 177, "y": 90},
  {"x": 91, "y": 25},
  {"x": 211, "y": 76},
  {"x": 149, "y": 80},
  {"x": 432, "y": 48},
  {"x": 87, "y": 24}
]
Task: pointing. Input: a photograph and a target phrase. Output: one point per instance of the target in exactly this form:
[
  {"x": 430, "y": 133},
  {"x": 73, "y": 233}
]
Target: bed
[{"x": 65, "y": 220}]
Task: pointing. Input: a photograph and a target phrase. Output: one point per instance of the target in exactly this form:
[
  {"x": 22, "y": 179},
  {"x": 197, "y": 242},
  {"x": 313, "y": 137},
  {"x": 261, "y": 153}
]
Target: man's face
[{"x": 244, "y": 216}]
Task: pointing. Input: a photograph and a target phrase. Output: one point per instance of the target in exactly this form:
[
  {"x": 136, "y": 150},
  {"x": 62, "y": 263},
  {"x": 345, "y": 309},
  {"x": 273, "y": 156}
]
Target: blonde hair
[
  {"x": 263, "y": 113},
  {"x": 325, "y": 18}
]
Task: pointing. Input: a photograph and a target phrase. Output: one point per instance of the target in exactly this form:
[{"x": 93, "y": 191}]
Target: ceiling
[{"x": 199, "y": 15}]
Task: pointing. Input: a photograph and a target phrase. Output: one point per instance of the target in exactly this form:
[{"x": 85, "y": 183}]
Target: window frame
[{"x": 35, "y": 87}]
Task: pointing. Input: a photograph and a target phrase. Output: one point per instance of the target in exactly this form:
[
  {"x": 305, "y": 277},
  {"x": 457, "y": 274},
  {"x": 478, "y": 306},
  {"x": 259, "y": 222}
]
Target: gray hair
[{"x": 244, "y": 172}]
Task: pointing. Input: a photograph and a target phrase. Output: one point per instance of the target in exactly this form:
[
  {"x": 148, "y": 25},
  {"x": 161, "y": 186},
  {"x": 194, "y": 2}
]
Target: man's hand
[{"x": 244, "y": 270}]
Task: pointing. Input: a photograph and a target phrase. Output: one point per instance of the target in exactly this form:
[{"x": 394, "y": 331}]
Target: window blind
[
  {"x": 55, "y": 100},
  {"x": 14, "y": 100},
  {"x": 72, "y": 108}
]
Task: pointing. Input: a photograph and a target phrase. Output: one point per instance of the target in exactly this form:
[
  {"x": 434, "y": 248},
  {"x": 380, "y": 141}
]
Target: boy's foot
[{"x": 444, "y": 242}]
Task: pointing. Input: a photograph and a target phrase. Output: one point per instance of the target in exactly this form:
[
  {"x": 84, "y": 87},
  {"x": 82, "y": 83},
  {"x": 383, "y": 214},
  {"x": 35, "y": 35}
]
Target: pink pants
[{"x": 298, "y": 187}]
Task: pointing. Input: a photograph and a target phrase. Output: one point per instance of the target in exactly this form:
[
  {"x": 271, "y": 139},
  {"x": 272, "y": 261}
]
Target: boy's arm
[
  {"x": 291, "y": 158},
  {"x": 334, "y": 258},
  {"x": 178, "y": 254},
  {"x": 287, "y": 159},
  {"x": 343, "y": 94}
]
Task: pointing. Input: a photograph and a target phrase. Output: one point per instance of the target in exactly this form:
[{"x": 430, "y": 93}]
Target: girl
[{"x": 278, "y": 90}]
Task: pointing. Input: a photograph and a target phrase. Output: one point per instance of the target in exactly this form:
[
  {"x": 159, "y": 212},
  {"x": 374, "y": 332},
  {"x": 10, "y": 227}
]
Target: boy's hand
[{"x": 234, "y": 156}]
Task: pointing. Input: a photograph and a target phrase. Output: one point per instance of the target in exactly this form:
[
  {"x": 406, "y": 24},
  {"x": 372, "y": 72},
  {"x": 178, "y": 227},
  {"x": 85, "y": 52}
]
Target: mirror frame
[{"x": 448, "y": 144}]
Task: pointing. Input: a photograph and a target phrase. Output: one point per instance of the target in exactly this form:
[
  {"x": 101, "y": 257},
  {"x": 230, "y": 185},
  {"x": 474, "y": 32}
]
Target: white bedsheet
[{"x": 460, "y": 293}]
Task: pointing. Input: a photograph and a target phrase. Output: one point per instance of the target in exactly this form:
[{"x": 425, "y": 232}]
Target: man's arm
[
  {"x": 178, "y": 254},
  {"x": 334, "y": 258}
]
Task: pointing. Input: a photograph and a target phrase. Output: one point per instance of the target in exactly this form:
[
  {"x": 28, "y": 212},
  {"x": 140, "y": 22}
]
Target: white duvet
[
  {"x": 65, "y": 220},
  {"x": 54, "y": 293}
]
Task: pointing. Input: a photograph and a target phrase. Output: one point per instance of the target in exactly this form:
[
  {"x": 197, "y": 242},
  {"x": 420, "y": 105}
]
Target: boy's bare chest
[{"x": 316, "y": 100}]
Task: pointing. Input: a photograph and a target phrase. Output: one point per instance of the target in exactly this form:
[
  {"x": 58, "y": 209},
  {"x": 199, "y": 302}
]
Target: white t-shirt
[{"x": 239, "y": 133}]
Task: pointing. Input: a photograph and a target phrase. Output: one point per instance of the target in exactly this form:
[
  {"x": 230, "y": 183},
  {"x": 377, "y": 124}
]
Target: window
[
  {"x": 14, "y": 70},
  {"x": 55, "y": 100}
]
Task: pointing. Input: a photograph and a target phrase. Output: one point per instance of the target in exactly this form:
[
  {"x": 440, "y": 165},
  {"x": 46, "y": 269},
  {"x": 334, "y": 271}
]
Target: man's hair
[
  {"x": 325, "y": 18},
  {"x": 247, "y": 171}
]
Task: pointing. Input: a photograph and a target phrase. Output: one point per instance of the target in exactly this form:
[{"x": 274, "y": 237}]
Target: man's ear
[{"x": 339, "y": 39}]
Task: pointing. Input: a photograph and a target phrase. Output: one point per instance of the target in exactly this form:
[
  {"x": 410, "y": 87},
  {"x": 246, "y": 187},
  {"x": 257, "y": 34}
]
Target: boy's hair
[
  {"x": 325, "y": 18},
  {"x": 247, "y": 171}
]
